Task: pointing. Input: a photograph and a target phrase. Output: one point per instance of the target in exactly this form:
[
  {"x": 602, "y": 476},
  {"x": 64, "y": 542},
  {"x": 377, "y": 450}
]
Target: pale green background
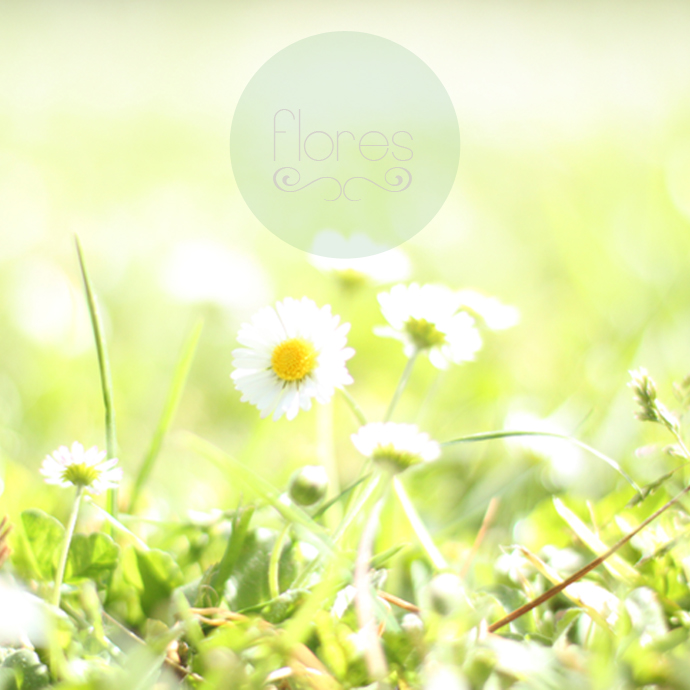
[{"x": 572, "y": 202}]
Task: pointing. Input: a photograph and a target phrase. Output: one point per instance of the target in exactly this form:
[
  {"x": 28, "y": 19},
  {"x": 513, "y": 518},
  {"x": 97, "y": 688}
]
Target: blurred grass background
[{"x": 572, "y": 202}]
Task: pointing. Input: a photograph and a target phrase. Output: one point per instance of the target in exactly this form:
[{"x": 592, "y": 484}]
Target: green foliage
[
  {"x": 90, "y": 557},
  {"x": 145, "y": 580},
  {"x": 23, "y": 670},
  {"x": 215, "y": 575},
  {"x": 39, "y": 545}
]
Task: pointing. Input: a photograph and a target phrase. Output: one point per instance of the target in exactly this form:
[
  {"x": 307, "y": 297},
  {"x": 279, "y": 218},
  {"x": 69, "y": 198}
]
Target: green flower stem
[
  {"x": 401, "y": 385},
  {"x": 326, "y": 454},
  {"x": 681, "y": 443},
  {"x": 352, "y": 404},
  {"x": 69, "y": 533},
  {"x": 274, "y": 563},
  {"x": 435, "y": 556},
  {"x": 358, "y": 503}
]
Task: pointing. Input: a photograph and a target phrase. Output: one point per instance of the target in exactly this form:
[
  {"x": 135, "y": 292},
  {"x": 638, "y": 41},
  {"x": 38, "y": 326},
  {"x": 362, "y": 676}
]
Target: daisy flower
[
  {"x": 427, "y": 319},
  {"x": 496, "y": 315},
  {"x": 386, "y": 267},
  {"x": 397, "y": 446},
  {"x": 291, "y": 354},
  {"x": 87, "y": 469}
]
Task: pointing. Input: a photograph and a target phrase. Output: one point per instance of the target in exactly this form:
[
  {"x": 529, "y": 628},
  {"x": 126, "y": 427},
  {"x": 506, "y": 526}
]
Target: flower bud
[
  {"x": 308, "y": 485},
  {"x": 446, "y": 593}
]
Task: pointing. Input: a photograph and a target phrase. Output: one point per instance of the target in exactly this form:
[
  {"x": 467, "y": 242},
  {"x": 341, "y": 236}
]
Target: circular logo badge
[{"x": 345, "y": 144}]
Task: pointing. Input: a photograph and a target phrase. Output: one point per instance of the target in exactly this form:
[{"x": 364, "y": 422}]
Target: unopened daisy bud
[
  {"x": 85, "y": 469},
  {"x": 395, "y": 446},
  {"x": 446, "y": 593},
  {"x": 308, "y": 485}
]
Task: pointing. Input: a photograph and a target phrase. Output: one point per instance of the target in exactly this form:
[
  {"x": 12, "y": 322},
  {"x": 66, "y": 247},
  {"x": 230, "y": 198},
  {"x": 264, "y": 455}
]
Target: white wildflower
[
  {"x": 398, "y": 446},
  {"x": 427, "y": 319},
  {"x": 87, "y": 469},
  {"x": 291, "y": 354}
]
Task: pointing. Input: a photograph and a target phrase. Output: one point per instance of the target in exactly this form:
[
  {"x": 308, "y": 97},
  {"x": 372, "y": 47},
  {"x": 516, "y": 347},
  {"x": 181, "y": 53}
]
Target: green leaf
[
  {"x": 565, "y": 621},
  {"x": 282, "y": 607},
  {"x": 154, "y": 574},
  {"x": 616, "y": 565},
  {"x": 160, "y": 575},
  {"x": 174, "y": 394},
  {"x": 240, "y": 527},
  {"x": 90, "y": 556},
  {"x": 379, "y": 560},
  {"x": 42, "y": 537},
  {"x": 250, "y": 573},
  {"x": 23, "y": 669}
]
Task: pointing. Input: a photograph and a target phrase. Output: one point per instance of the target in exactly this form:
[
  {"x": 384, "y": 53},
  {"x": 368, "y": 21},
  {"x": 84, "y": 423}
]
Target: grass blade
[
  {"x": 174, "y": 394},
  {"x": 104, "y": 368},
  {"x": 260, "y": 486},
  {"x": 435, "y": 556},
  {"x": 618, "y": 567},
  {"x": 526, "y": 608},
  {"x": 341, "y": 496},
  {"x": 493, "y": 435},
  {"x": 570, "y": 592}
]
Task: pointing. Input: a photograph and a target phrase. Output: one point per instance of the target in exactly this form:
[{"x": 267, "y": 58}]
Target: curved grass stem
[
  {"x": 104, "y": 368},
  {"x": 174, "y": 394},
  {"x": 493, "y": 435}
]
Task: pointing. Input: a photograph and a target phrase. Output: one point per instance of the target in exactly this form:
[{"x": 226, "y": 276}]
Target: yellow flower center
[
  {"x": 393, "y": 459},
  {"x": 424, "y": 334},
  {"x": 293, "y": 359},
  {"x": 80, "y": 474}
]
